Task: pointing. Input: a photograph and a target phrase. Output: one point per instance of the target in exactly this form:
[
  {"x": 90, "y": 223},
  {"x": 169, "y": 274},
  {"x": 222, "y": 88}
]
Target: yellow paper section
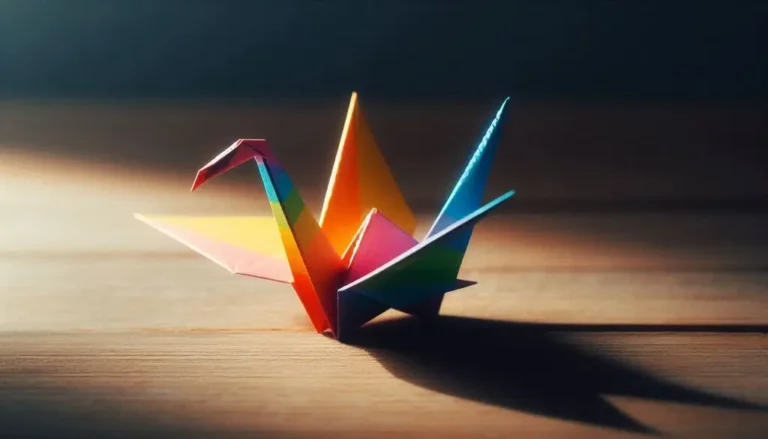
[
  {"x": 255, "y": 233},
  {"x": 360, "y": 181},
  {"x": 378, "y": 188}
]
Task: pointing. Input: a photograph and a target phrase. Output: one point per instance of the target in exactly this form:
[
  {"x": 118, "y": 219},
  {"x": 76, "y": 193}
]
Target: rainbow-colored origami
[{"x": 360, "y": 259}]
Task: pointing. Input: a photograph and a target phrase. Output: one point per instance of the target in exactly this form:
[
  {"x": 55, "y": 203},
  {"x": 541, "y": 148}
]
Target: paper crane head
[
  {"x": 360, "y": 258},
  {"x": 238, "y": 153}
]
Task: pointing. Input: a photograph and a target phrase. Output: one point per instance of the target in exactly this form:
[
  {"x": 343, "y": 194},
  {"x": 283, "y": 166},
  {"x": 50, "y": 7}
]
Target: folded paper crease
[{"x": 359, "y": 258}]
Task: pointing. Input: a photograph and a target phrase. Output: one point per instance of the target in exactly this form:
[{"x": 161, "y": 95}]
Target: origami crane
[{"x": 360, "y": 259}]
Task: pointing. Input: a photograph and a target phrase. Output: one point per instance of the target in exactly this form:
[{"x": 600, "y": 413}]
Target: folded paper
[{"x": 360, "y": 258}]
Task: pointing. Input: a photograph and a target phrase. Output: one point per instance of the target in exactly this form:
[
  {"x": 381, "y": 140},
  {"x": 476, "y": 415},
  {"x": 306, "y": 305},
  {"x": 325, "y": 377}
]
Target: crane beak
[{"x": 235, "y": 155}]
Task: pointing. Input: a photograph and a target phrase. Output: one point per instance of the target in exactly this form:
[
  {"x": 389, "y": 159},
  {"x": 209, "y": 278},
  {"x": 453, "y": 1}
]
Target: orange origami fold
[{"x": 360, "y": 259}]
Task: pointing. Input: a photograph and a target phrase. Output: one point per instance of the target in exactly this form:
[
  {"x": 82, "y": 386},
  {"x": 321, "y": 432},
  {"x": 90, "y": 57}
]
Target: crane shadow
[{"x": 527, "y": 367}]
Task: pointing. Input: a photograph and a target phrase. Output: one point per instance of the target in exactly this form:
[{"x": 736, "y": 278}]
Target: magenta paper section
[{"x": 381, "y": 241}]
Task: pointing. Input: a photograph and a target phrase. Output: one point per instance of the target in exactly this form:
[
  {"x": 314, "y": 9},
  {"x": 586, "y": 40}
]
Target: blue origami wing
[
  {"x": 467, "y": 194},
  {"x": 466, "y": 197}
]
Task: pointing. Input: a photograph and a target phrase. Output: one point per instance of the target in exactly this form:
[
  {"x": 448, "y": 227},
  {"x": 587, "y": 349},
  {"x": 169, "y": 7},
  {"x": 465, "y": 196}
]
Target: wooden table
[{"x": 581, "y": 326}]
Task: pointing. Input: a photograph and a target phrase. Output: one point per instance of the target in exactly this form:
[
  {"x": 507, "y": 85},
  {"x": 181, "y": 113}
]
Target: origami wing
[
  {"x": 467, "y": 194},
  {"x": 244, "y": 245},
  {"x": 360, "y": 181},
  {"x": 465, "y": 198}
]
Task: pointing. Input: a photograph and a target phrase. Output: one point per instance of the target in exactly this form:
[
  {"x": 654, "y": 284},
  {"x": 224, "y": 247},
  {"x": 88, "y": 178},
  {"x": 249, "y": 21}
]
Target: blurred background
[{"x": 616, "y": 105}]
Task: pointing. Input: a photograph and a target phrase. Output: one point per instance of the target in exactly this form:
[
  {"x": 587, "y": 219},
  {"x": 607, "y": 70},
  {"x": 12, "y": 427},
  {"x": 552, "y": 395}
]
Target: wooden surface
[{"x": 589, "y": 326}]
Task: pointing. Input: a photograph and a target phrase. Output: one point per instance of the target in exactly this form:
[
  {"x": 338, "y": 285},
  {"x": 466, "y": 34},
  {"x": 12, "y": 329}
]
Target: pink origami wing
[{"x": 248, "y": 246}]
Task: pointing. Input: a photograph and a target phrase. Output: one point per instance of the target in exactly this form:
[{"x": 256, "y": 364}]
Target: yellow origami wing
[
  {"x": 246, "y": 245},
  {"x": 360, "y": 180}
]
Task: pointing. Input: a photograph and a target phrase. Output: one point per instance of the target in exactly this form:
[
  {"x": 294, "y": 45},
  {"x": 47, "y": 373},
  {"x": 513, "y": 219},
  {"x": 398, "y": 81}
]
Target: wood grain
[{"x": 581, "y": 326}]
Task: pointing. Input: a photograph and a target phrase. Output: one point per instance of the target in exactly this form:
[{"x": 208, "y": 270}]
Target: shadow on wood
[{"x": 528, "y": 367}]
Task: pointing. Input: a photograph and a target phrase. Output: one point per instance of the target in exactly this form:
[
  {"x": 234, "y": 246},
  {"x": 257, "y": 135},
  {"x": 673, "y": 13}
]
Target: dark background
[
  {"x": 618, "y": 105},
  {"x": 683, "y": 50}
]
